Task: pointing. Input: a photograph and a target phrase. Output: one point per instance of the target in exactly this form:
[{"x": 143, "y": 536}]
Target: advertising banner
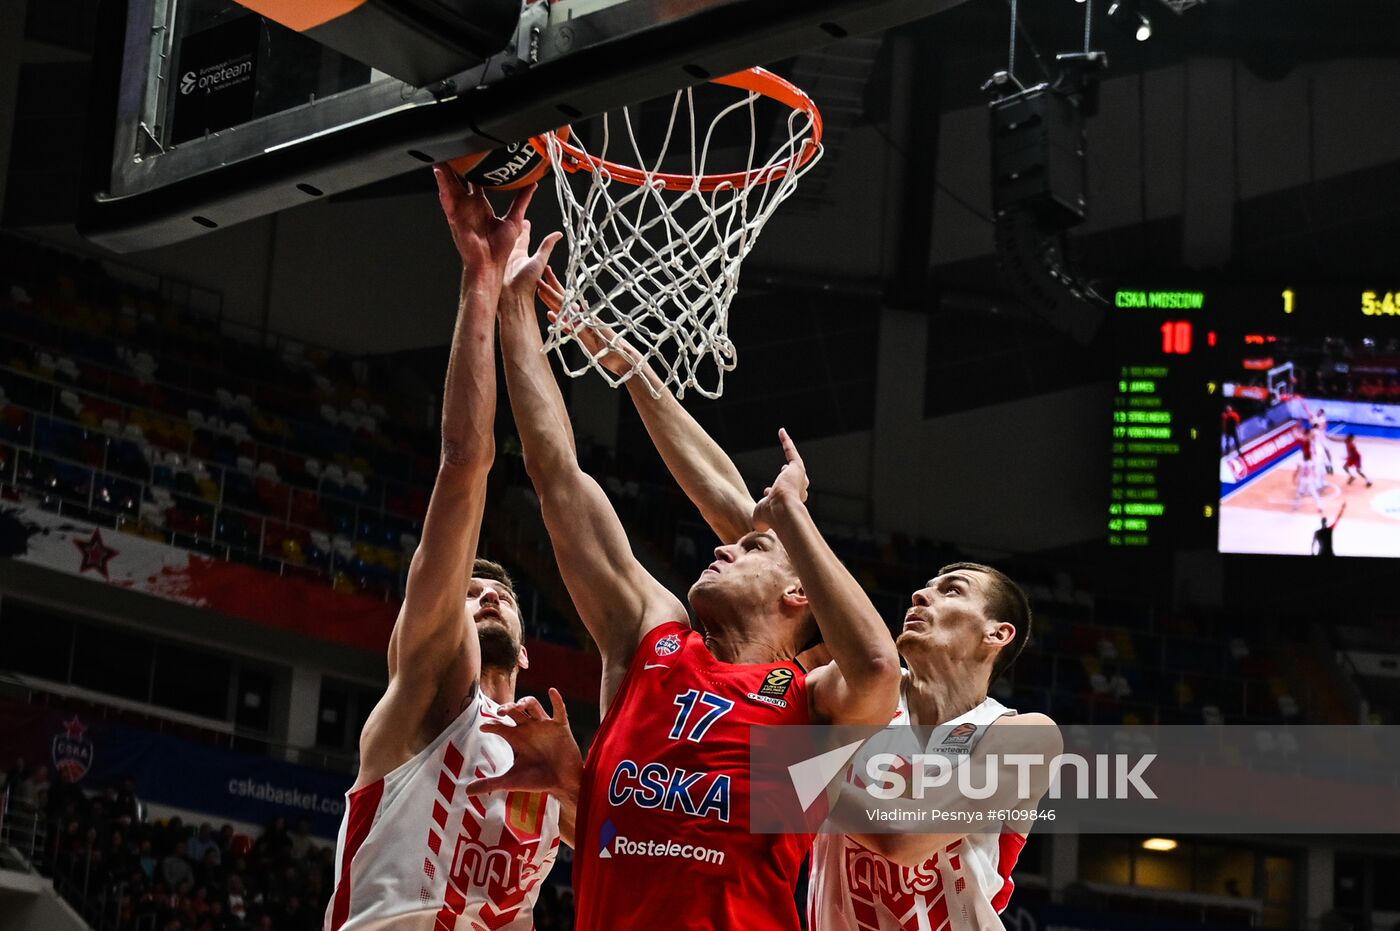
[
  {"x": 214, "y": 781},
  {"x": 308, "y": 606}
]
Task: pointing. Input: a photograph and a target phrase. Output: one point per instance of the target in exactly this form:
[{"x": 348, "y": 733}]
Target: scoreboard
[
  {"x": 1223, "y": 394},
  {"x": 1166, "y": 343}
]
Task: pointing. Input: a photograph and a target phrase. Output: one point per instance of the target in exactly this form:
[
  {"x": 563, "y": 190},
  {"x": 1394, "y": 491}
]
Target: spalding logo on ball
[{"x": 514, "y": 166}]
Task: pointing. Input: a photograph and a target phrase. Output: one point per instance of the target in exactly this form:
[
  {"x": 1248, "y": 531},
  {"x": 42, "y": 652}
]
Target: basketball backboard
[{"x": 219, "y": 115}]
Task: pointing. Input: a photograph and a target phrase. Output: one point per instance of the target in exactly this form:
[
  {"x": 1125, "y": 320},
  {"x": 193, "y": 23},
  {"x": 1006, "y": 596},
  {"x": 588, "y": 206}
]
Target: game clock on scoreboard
[{"x": 1380, "y": 303}]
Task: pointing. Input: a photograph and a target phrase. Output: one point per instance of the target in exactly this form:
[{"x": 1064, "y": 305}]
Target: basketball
[{"x": 508, "y": 168}]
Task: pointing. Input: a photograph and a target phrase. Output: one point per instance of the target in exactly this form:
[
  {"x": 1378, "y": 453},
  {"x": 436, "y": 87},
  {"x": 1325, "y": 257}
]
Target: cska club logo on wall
[{"x": 72, "y": 752}]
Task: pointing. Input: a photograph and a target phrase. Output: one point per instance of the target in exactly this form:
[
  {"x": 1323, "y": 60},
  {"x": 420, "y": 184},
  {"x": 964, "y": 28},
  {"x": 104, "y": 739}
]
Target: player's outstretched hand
[
  {"x": 484, "y": 241},
  {"x": 524, "y": 268},
  {"x": 789, "y": 487},
  {"x": 547, "y": 758},
  {"x": 600, "y": 340}
]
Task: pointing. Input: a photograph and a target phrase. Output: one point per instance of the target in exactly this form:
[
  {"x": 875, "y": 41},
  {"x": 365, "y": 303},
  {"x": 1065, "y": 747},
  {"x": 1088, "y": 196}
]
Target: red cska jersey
[{"x": 662, "y": 834}]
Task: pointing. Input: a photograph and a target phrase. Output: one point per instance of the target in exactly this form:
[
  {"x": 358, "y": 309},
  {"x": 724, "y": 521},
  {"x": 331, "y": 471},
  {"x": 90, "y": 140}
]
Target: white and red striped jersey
[
  {"x": 415, "y": 852},
  {"x": 963, "y": 887}
]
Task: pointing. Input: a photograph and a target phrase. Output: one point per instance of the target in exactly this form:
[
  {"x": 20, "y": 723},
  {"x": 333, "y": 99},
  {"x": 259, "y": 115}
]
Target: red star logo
[
  {"x": 96, "y": 554},
  {"x": 74, "y": 727}
]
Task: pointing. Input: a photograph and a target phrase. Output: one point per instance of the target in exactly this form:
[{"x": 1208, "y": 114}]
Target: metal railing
[
  {"x": 112, "y": 514},
  {"x": 21, "y": 827}
]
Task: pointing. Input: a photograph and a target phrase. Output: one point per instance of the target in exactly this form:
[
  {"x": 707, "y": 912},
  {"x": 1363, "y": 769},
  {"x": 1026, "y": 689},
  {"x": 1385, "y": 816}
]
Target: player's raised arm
[
  {"x": 434, "y": 657},
  {"x": 861, "y": 685},
  {"x": 704, "y": 471},
  {"x": 616, "y": 598}
]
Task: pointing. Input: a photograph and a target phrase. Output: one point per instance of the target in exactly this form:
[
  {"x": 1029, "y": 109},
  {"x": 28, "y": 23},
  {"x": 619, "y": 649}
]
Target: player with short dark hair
[
  {"x": 664, "y": 798},
  {"x": 1006, "y": 600},
  {"x": 963, "y": 630}
]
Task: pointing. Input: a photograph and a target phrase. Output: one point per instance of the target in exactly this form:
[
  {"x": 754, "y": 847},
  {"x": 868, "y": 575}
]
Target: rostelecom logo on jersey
[{"x": 612, "y": 844}]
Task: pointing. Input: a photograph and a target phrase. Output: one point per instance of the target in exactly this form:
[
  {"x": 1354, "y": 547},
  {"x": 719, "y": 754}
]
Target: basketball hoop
[{"x": 654, "y": 256}]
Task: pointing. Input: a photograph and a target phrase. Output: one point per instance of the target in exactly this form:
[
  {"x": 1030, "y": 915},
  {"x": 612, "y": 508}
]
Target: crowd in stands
[
  {"x": 126, "y": 872},
  {"x": 286, "y": 458},
  {"x": 1345, "y": 369}
]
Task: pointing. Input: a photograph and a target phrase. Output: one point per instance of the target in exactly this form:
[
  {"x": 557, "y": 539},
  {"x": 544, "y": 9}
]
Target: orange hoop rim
[{"x": 757, "y": 80}]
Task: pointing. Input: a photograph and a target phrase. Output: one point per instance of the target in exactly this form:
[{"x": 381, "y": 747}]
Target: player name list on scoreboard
[{"x": 1145, "y": 442}]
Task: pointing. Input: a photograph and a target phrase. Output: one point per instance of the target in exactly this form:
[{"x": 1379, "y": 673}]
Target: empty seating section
[{"x": 127, "y": 411}]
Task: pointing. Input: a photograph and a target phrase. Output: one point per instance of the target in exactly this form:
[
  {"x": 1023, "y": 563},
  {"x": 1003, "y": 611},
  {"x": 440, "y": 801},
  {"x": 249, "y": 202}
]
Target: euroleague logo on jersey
[
  {"x": 668, "y": 645},
  {"x": 774, "y": 687},
  {"x": 961, "y": 734}
]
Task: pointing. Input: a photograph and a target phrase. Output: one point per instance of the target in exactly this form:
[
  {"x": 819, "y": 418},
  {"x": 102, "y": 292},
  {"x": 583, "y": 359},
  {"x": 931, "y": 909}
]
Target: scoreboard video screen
[{"x": 1267, "y": 419}]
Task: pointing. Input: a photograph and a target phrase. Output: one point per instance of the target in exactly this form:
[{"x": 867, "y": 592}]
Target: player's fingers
[
  {"x": 489, "y": 784},
  {"x": 480, "y": 202},
  {"x": 444, "y": 189},
  {"x": 789, "y": 447},
  {"x": 449, "y": 182},
  {"x": 556, "y": 703},
  {"x": 522, "y": 240},
  {"x": 568, "y": 326},
  {"x": 510, "y": 706},
  {"x": 515, "y": 711},
  {"x": 532, "y": 707},
  {"x": 547, "y": 246},
  {"x": 521, "y": 203}
]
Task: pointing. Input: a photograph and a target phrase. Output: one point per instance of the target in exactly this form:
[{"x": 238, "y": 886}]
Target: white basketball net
[{"x": 659, "y": 267}]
